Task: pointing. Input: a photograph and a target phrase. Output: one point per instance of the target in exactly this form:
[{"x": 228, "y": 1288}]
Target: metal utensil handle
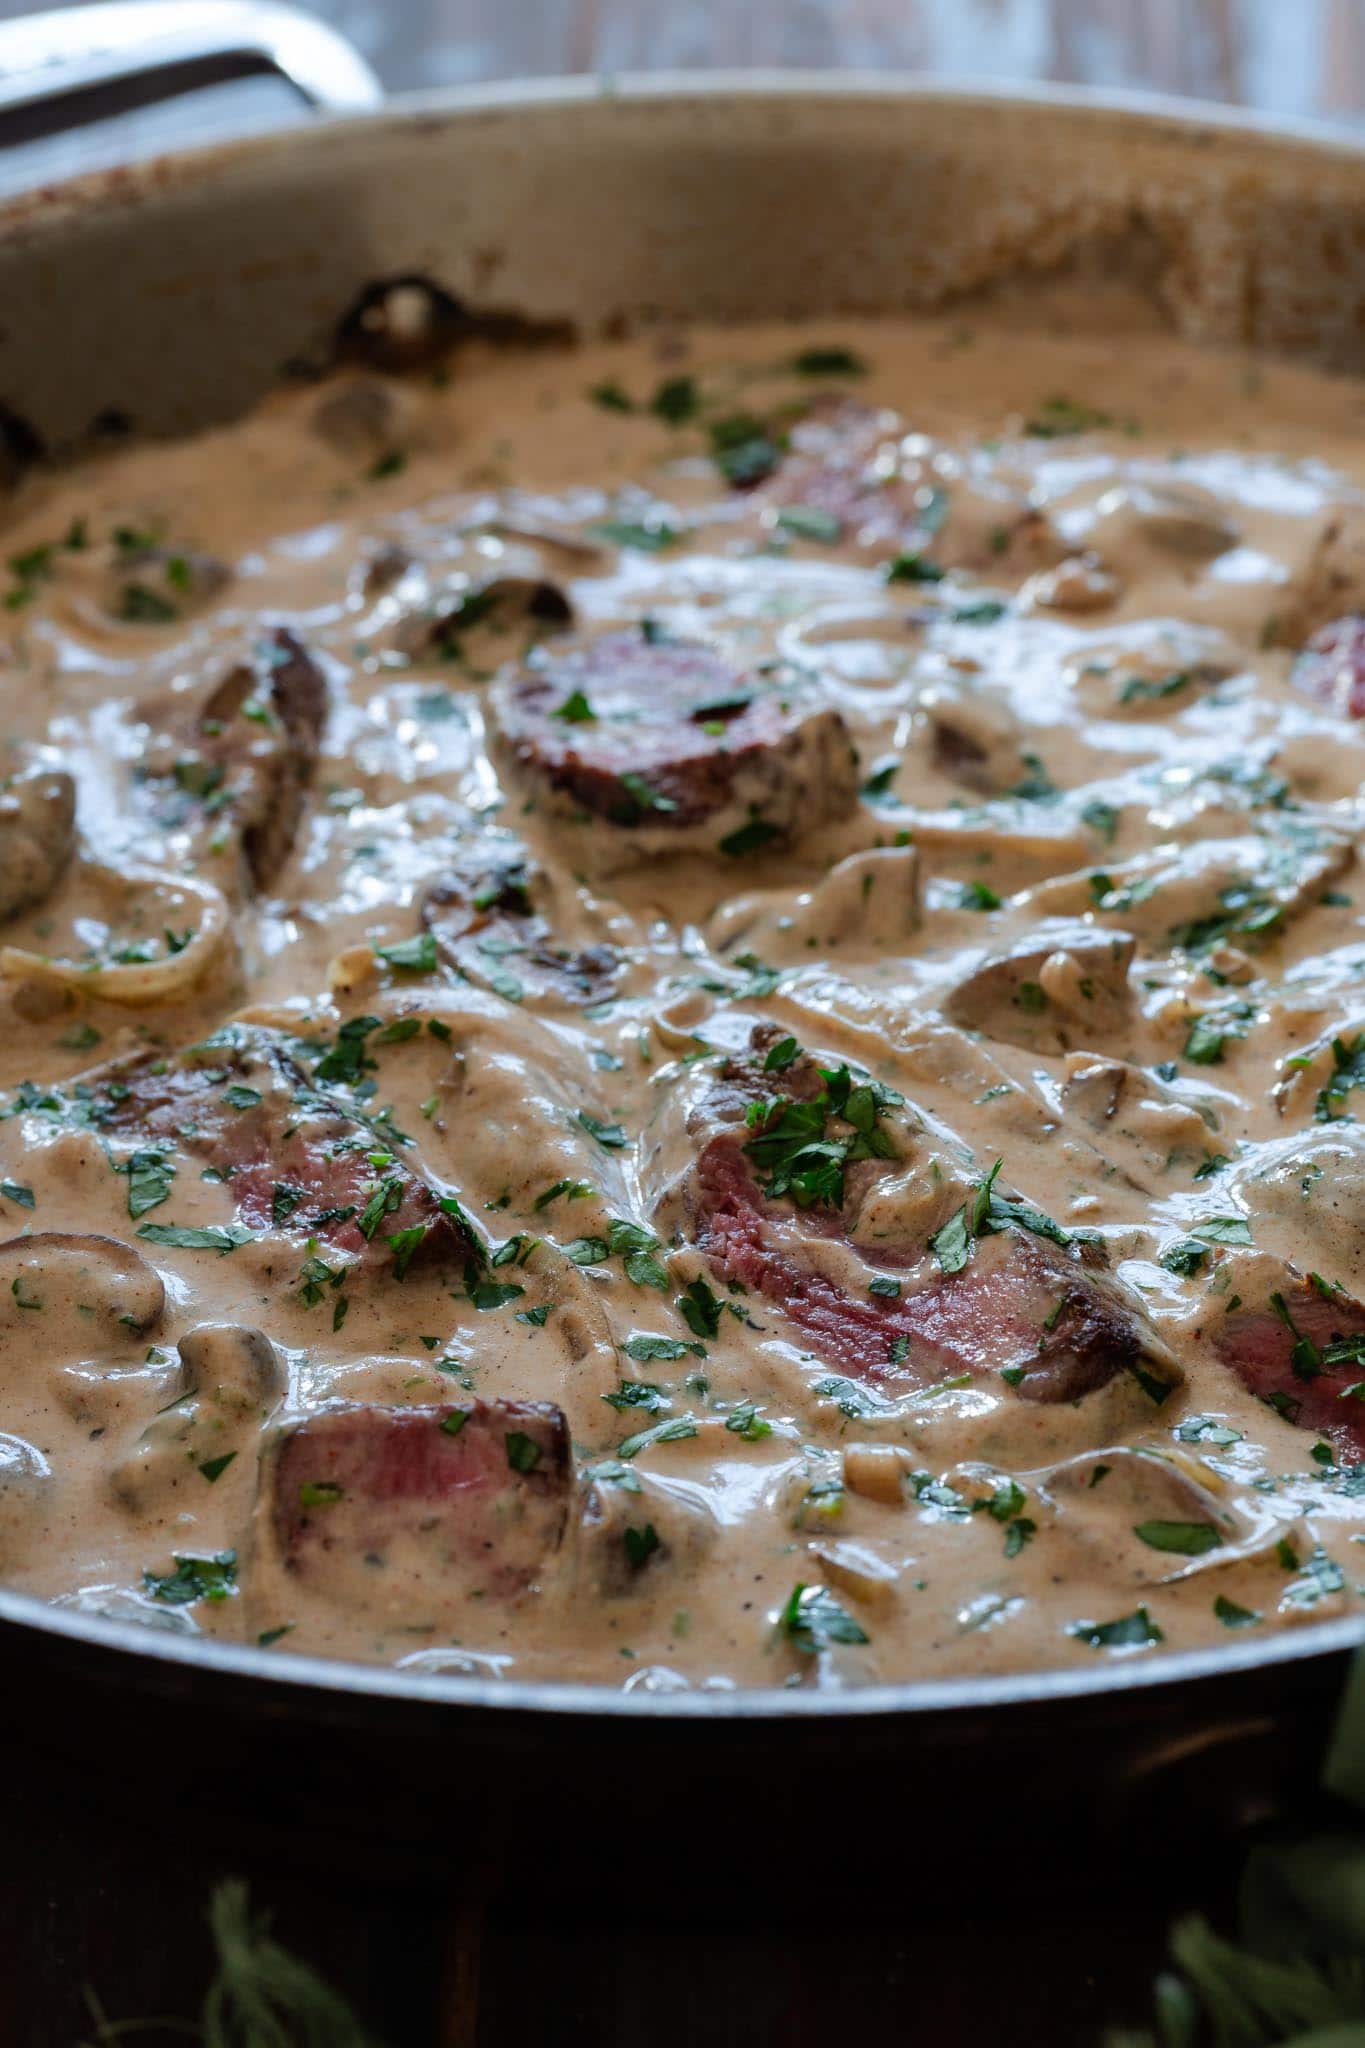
[{"x": 62, "y": 69}]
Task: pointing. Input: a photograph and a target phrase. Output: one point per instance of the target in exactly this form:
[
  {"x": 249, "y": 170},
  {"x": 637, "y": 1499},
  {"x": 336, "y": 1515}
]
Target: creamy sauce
[{"x": 1075, "y": 726}]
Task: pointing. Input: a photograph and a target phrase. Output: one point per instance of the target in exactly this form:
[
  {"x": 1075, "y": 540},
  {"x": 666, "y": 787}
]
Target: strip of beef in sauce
[
  {"x": 292, "y": 1155},
  {"x": 1006, "y": 1291},
  {"x": 859, "y": 465},
  {"x": 1331, "y": 666},
  {"x": 666, "y": 740},
  {"x": 402, "y": 1509},
  {"x": 1303, "y": 1352}
]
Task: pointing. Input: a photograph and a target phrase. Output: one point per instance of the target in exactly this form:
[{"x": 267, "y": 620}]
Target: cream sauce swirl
[{"x": 1053, "y": 586}]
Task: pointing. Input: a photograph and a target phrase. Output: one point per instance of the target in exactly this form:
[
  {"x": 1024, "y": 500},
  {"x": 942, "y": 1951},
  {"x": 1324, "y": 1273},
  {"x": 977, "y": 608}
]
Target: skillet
[{"x": 160, "y": 297}]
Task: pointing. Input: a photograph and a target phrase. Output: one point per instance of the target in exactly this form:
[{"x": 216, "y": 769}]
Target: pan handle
[{"x": 75, "y": 65}]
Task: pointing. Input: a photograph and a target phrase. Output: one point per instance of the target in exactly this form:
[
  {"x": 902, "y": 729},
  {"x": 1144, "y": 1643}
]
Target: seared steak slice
[
  {"x": 664, "y": 739},
  {"x": 892, "y": 493},
  {"x": 1020, "y": 1305},
  {"x": 1303, "y": 1352},
  {"x": 1331, "y": 666},
  {"x": 403, "y": 1509},
  {"x": 293, "y": 1156}
]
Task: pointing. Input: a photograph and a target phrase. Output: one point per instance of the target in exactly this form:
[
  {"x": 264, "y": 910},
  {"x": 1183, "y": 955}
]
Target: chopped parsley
[
  {"x": 212, "y": 1237},
  {"x": 792, "y": 1147},
  {"x": 828, "y": 362},
  {"x": 1348, "y": 1072},
  {"x": 194, "y": 1578},
  {"x": 1136, "y": 1631},
  {"x": 1186, "y": 1539},
  {"x": 812, "y": 1619},
  {"x": 640, "y": 1545},
  {"x": 745, "y": 1421},
  {"x": 416, "y": 955},
  {"x": 742, "y": 449},
  {"x": 982, "y": 1216},
  {"x": 749, "y": 837},
  {"x": 523, "y": 1452},
  {"x": 611, "y": 1136},
  {"x": 810, "y": 522},
  {"x": 645, "y": 538}
]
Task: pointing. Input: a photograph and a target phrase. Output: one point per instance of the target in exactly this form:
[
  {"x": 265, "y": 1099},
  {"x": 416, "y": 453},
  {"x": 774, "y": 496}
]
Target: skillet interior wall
[{"x": 174, "y": 294}]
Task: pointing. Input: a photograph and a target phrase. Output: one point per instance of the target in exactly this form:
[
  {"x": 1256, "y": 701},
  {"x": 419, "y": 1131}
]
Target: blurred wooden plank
[
  {"x": 1302, "y": 57},
  {"x": 1287, "y": 56}
]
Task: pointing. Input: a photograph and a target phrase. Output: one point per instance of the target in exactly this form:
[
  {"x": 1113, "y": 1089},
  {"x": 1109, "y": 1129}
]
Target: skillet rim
[{"x": 142, "y": 1647}]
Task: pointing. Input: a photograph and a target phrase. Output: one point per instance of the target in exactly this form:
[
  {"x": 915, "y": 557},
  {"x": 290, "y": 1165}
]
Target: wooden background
[
  {"x": 1300, "y": 57},
  {"x": 1296, "y": 57}
]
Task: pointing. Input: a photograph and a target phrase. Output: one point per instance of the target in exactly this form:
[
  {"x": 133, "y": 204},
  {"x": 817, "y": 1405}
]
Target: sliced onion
[{"x": 140, "y": 982}]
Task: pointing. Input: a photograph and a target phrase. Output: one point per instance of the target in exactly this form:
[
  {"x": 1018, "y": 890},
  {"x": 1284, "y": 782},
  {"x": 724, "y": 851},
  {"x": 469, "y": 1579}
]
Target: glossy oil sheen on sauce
[{"x": 702, "y": 1021}]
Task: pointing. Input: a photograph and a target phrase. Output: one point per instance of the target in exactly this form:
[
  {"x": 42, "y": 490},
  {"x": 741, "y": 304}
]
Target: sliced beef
[
  {"x": 892, "y": 492},
  {"x": 292, "y": 1154},
  {"x": 398, "y": 1508},
  {"x": 1068, "y": 989},
  {"x": 1020, "y": 1304},
  {"x": 37, "y": 832},
  {"x": 1331, "y": 667},
  {"x": 250, "y": 754},
  {"x": 1303, "y": 1351},
  {"x": 665, "y": 739},
  {"x": 485, "y": 924}
]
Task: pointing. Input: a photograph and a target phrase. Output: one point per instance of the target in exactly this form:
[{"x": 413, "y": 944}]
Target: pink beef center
[
  {"x": 1332, "y": 666},
  {"x": 652, "y": 704},
  {"x": 394, "y": 1457},
  {"x": 978, "y": 1320},
  {"x": 342, "y": 1181},
  {"x": 1259, "y": 1348}
]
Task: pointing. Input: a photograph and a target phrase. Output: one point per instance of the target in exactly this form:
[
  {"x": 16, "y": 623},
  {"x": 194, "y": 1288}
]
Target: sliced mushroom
[
  {"x": 856, "y": 1569},
  {"x": 381, "y": 570},
  {"x": 1067, "y": 989},
  {"x": 118, "y": 1293},
  {"x": 878, "y": 1471},
  {"x": 270, "y": 764},
  {"x": 1079, "y": 584},
  {"x": 231, "y": 1379},
  {"x": 360, "y": 417},
  {"x": 498, "y": 605},
  {"x": 974, "y": 738},
  {"x": 868, "y": 903},
  {"x": 581, "y": 553},
  {"x": 142, "y": 982},
  {"x": 153, "y": 585},
  {"x": 1143, "y": 1128},
  {"x": 37, "y": 831},
  {"x": 1183, "y": 518},
  {"x": 615, "y": 1555},
  {"x": 1140, "y": 1515},
  {"x": 233, "y": 1366}
]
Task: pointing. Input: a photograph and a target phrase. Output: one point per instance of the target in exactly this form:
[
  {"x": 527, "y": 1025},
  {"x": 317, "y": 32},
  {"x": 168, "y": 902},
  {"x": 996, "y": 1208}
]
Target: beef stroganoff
[{"x": 689, "y": 1011}]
